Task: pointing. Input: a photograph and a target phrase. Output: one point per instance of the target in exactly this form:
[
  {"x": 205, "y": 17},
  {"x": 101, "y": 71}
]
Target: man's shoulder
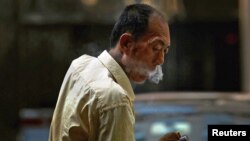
[
  {"x": 82, "y": 60},
  {"x": 96, "y": 75},
  {"x": 88, "y": 67},
  {"x": 108, "y": 91},
  {"x": 107, "y": 85}
]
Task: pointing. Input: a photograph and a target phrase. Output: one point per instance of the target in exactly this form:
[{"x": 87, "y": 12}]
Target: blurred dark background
[{"x": 40, "y": 38}]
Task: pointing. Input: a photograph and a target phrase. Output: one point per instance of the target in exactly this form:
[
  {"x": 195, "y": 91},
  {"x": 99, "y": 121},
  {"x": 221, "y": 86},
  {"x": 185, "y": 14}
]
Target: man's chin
[
  {"x": 139, "y": 82},
  {"x": 139, "y": 78}
]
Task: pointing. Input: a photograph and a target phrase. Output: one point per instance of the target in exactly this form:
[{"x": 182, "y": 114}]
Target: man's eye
[{"x": 157, "y": 48}]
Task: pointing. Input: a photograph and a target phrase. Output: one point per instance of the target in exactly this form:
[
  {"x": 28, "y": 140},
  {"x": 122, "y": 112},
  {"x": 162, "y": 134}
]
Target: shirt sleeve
[{"x": 117, "y": 123}]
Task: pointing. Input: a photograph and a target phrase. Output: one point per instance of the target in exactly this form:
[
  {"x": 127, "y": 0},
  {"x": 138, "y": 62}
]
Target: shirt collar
[{"x": 117, "y": 72}]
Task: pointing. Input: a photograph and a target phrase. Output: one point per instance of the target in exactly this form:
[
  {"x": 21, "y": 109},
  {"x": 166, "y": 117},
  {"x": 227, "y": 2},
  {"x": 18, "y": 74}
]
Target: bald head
[{"x": 134, "y": 19}]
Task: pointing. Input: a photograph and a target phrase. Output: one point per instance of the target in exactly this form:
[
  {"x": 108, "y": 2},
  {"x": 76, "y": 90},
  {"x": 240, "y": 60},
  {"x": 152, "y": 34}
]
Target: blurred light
[
  {"x": 89, "y": 2},
  {"x": 159, "y": 128},
  {"x": 182, "y": 127},
  {"x": 34, "y": 124},
  {"x": 175, "y": 8},
  {"x": 150, "y": 2},
  {"x": 127, "y": 2}
]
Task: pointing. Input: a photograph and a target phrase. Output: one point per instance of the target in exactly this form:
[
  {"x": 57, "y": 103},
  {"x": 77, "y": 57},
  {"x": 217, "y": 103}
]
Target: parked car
[{"x": 187, "y": 113}]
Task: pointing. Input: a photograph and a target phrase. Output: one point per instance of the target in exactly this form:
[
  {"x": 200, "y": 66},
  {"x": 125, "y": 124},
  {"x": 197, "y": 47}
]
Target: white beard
[{"x": 153, "y": 76}]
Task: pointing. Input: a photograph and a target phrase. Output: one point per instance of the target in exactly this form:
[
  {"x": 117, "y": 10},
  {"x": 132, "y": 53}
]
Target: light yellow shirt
[{"x": 95, "y": 102}]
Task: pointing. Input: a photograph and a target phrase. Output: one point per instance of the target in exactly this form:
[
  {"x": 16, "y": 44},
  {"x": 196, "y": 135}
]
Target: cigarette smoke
[{"x": 156, "y": 75}]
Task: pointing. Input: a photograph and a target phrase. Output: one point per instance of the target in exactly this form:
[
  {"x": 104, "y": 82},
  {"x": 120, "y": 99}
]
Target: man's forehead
[{"x": 158, "y": 27}]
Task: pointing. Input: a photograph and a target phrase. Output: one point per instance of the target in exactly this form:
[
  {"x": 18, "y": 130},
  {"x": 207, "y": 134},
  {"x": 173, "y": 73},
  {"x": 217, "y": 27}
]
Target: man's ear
[{"x": 126, "y": 42}]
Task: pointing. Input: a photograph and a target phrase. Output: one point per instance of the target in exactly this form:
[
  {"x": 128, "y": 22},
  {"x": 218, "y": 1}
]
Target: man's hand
[{"x": 173, "y": 136}]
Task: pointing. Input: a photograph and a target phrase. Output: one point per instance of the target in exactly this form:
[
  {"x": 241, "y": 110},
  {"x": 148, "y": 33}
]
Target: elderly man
[{"x": 95, "y": 102}]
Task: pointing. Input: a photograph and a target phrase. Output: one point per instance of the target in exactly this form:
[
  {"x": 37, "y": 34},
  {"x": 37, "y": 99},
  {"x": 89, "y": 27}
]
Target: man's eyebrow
[{"x": 157, "y": 39}]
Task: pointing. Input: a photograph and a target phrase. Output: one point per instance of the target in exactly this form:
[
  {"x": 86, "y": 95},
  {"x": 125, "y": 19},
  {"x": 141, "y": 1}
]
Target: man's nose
[{"x": 160, "y": 58}]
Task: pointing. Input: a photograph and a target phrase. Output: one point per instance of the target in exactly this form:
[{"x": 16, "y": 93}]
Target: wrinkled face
[{"x": 146, "y": 55}]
